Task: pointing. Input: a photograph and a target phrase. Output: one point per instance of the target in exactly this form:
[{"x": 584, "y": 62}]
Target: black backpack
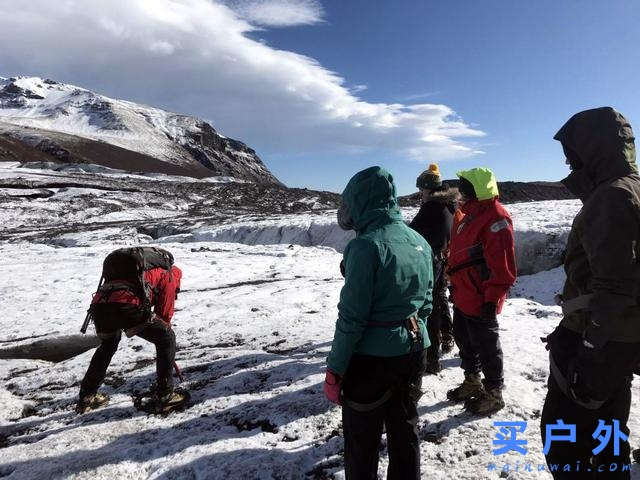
[
  {"x": 123, "y": 269},
  {"x": 129, "y": 265}
]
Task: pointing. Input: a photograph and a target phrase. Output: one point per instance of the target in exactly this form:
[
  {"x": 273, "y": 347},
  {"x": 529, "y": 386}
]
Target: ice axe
[
  {"x": 87, "y": 319},
  {"x": 178, "y": 371},
  {"x": 176, "y": 367}
]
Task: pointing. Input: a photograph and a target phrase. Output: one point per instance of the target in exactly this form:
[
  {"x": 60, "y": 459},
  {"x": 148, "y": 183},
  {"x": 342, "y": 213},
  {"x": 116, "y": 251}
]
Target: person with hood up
[
  {"x": 433, "y": 221},
  {"x": 377, "y": 358},
  {"x": 595, "y": 348},
  {"x": 482, "y": 268}
]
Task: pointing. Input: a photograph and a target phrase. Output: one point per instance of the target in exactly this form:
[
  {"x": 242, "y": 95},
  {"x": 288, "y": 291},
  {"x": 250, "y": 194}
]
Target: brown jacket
[{"x": 603, "y": 250}]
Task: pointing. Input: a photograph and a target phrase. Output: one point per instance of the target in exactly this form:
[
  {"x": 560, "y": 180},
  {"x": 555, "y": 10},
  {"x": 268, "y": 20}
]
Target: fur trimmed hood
[{"x": 450, "y": 195}]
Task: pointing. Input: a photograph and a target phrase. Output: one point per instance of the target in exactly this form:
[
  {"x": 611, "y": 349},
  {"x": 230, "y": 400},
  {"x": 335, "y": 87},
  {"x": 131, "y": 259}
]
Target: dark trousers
[
  {"x": 439, "y": 322},
  {"x": 480, "y": 351},
  {"x": 156, "y": 332},
  {"x": 366, "y": 380},
  {"x": 615, "y": 375},
  {"x": 558, "y": 406}
]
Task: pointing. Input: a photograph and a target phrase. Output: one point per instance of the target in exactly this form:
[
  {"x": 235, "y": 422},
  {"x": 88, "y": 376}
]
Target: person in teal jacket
[{"x": 377, "y": 358}]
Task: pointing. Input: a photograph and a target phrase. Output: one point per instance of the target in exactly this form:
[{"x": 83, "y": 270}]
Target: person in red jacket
[
  {"x": 482, "y": 268},
  {"x": 116, "y": 307}
]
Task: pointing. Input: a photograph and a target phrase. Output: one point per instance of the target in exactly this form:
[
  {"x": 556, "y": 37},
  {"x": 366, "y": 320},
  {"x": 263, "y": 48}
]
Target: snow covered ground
[{"x": 254, "y": 325}]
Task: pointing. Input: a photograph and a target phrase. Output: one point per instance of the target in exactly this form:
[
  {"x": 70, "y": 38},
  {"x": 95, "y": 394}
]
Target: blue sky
[
  {"x": 515, "y": 70},
  {"x": 322, "y": 89}
]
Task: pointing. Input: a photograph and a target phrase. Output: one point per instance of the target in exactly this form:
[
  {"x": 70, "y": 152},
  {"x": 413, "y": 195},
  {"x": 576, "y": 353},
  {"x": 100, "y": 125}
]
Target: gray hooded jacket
[{"x": 603, "y": 251}]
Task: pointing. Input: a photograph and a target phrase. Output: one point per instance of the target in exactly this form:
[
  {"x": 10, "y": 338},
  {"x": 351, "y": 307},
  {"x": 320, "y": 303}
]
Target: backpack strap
[
  {"x": 476, "y": 258},
  {"x": 410, "y": 324},
  {"x": 107, "y": 288},
  {"x": 470, "y": 263},
  {"x": 146, "y": 289},
  {"x": 367, "y": 407}
]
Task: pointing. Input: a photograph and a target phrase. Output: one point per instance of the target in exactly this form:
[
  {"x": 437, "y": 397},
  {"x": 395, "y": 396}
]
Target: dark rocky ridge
[{"x": 510, "y": 192}]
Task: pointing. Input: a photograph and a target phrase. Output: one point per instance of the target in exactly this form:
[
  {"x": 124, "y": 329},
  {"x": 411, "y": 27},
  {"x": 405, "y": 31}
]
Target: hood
[
  {"x": 603, "y": 141},
  {"x": 483, "y": 181},
  {"x": 370, "y": 196},
  {"x": 447, "y": 196}
]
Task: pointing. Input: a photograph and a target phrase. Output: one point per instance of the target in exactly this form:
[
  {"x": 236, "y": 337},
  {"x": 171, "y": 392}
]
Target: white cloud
[
  {"x": 278, "y": 13},
  {"x": 418, "y": 96},
  {"x": 195, "y": 56}
]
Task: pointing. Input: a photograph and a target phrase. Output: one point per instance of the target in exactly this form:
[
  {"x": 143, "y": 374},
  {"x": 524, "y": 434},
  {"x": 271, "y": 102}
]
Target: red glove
[{"x": 332, "y": 387}]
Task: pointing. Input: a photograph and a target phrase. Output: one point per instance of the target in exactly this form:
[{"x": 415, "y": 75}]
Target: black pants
[
  {"x": 439, "y": 321},
  {"x": 366, "y": 380},
  {"x": 616, "y": 376},
  {"x": 157, "y": 332},
  {"x": 480, "y": 350}
]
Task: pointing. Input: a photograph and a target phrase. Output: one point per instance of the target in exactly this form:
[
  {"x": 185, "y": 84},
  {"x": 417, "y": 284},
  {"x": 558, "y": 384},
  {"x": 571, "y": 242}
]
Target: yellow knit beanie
[{"x": 430, "y": 178}]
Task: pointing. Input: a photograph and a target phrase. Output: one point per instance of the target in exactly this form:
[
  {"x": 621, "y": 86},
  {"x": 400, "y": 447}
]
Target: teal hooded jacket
[{"x": 388, "y": 274}]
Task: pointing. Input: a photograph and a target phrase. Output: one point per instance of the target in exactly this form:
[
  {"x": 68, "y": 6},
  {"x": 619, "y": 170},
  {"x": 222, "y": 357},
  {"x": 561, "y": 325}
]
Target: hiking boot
[
  {"x": 488, "y": 402},
  {"x": 470, "y": 388},
  {"x": 447, "y": 343},
  {"x": 173, "y": 400},
  {"x": 91, "y": 402},
  {"x": 433, "y": 368}
]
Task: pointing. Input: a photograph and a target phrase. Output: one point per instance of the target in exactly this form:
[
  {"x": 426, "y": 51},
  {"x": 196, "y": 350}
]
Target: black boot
[{"x": 447, "y": 343}]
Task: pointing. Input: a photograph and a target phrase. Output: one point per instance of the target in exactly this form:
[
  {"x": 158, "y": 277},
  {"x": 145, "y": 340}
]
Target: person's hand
[
  {"x": 550, "y": 340},
  {"x": 489, "y": 312},
  {"x": 332, "y": 387},
  {"x": 594, "y": 336}
]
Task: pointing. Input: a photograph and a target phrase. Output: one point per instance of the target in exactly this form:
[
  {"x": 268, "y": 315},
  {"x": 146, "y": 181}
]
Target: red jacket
[
  {"x": 163, "y": 292},
  {"x": 482, "y": 263}
]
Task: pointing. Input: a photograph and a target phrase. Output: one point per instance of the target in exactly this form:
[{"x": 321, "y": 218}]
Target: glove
[
  {"x": 586, "y": 374},
  {"x": 489, "y": 312},
  {"x": 332, "y": 387},
  {"x": 550, "y": 340},
  {"x": 594, "y": 337}
]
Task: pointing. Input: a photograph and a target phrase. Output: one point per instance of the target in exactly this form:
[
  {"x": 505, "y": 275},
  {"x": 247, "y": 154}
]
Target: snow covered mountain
[{"x": 46, "y": 120}]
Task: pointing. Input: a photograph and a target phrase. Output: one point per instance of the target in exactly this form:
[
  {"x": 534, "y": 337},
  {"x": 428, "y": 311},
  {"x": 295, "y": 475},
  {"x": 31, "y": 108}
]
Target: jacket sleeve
[
  {"x": 167, "y": 289},
  {"x": 499, "y": 254},
  {"x": 361, "y": 260},
  {"x": 610, "y": 241}
]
